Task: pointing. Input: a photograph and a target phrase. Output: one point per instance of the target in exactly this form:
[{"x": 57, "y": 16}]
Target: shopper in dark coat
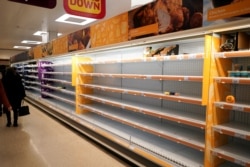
[
  {"x": 15, "y": 92},
  {"x": 3, "y": 98}
]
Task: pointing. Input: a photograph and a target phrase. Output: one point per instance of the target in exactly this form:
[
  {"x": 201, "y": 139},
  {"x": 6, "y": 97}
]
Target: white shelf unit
[
  {"x": 29, "y": 75},
  {"x": 120, "y": 95},
  {"x": 232, "y": 120},
  {"x": 127, "y": 99},
  {"x": 56, "y": 80}
]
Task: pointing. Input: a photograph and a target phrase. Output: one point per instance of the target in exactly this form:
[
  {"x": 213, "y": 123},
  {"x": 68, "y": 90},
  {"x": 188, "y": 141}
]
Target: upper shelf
[
  {"x": 233, "y": 106},
  {"x": 233, "y": 54},
  {"x": 154, "y": 77},
  {"x": 57, "y": 73},
  {"x": 175, "y": 116},
  {"x": 59, "y": 64},
  {"x": 168, "y": 131},
  {"x": 234, "y": 129},
  {"x": 232, "y": 80},
  {"x": 180, "y": 99},
  {"x": 149, "y": 59},
  {"x": 57, "y": 80},
  {"x": 240, "y": 155}
]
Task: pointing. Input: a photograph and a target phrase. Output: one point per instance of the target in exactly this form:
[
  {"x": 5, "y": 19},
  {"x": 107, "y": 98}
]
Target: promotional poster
[
  {"x": 165, "y": 16},
  {"x": 221, "y": 11}
]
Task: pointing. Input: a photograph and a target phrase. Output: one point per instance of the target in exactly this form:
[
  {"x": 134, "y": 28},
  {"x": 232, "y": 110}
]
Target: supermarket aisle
[{"x": 40, "y": 141}]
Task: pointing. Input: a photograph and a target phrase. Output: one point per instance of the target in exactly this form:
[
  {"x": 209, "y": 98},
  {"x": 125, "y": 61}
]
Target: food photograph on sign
[
  {"x": 165, "y": 16},
  {"x": 79, "y": 40}
]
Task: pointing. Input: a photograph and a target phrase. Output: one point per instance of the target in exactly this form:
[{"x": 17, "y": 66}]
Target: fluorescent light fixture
[
  {"x": 71, "y": 19},
  {"x": 137, "y": 3},
  {"x": 21, "y": 47},
  {"x": 40, "y": 33},
  {"x": 31, "y": 42}
]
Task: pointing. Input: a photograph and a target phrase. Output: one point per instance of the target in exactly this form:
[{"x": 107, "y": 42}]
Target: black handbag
[{"x": 23, "y": 110}]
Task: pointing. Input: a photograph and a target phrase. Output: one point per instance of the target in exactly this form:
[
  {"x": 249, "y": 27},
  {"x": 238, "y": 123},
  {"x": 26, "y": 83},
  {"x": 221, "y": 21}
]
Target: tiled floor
[{"x": 40, "y": 141}]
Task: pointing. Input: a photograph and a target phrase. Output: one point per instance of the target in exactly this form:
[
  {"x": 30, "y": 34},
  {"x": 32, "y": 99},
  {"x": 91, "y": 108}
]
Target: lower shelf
[
  {"x": 163, "y": 149},
  {"x": 236, "y": 153},
  {"x": 163, "y": 152}
]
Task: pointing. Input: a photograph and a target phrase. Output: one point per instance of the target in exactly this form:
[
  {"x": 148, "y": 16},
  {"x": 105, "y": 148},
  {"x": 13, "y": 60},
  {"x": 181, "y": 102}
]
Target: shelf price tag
[
  {"x": 154, "y": 59},
  {"x": 220, "y": 55},
  {"x": 235, "y": 80},
  {"x": 242, "y": 136},
  {"x": 192, "y": 56},
  {"x": 180, "y": 57},
  {"x": 219, "y": 105},
  {"x": 186, "y": 78},
  {"x": 166, "y": 58},
  {"x": 218, "y": 80},
  {"x": 125, "y": 92},
  {"x": 238, "y": 108},
  {"x": 237, "y": 161}
]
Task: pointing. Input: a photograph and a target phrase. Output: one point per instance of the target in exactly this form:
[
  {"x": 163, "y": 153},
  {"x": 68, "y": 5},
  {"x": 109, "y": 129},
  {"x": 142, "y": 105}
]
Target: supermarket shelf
[
  {"x": 149, "y": 59},
  {"x": 57, "y": 80},
  {"x": 58, "y": 98},
  {"x": 60, "y": 89},
  {"x": 33, "y": 88},
  {"x": 175, "y": 116},
  {"x": 32, "y": 83},
  {"x": 234, "y": 129},
  {"x": 56, "y": 65},
  {"x": 32, "y": 71},
  {"x": 57, "y": 73},
  {"x": 232, "y": 54},
  {"x": 32, "y": 76},
  {"x": 153, "y": 149},
  {"x": 233, "y": 106},
  {"x": 30, "y": 65},
  {"x": 170, "y": 132},
  {"x": 180, "y": 99},
  {"x": 236, "y": 153},
  {"x": 232, "y": 80},
  {"x": 154, "y": 77}
]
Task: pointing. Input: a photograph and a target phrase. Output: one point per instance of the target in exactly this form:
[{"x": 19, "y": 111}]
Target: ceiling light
[
  {"x": 31, "y": 42},
  {"x": 21, "y": 47},
  {"x": 137, "y": 3},
  {"x": 59, "y": 34},
  {"x": 40, "y": 33},
  {"x": 71, "y": 19}
]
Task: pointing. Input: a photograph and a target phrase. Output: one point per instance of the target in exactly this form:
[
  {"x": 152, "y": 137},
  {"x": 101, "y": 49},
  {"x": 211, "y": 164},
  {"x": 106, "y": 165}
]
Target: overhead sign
[
  {"x": 44, "y": 3},
  {"x": 228, "y": 9},
  {"x": 86, "y": 8}
]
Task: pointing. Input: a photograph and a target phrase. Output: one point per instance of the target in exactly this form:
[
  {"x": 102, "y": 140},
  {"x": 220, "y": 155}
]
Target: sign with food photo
[
  {"x": 165, "y": 16},
  {"x": 220, "y": 11},
  {"x": 228, "y": 8}
]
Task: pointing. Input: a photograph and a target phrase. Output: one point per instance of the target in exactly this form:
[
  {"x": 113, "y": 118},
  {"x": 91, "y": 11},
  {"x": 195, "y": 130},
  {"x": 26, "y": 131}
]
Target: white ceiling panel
[{"x": 20, "y": 21}]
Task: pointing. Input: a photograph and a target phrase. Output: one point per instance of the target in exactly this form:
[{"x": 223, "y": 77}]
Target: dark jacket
[{"x": 13, "y": 87}]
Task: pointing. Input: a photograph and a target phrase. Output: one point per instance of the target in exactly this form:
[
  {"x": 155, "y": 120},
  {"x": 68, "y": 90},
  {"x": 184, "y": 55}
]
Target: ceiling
[{"x": 20, "y": 21}]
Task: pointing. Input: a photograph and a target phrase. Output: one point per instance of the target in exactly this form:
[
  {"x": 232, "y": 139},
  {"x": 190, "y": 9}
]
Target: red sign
[
  {"x": 44, "y": 3},
  {"x": 86, "y": 8}
]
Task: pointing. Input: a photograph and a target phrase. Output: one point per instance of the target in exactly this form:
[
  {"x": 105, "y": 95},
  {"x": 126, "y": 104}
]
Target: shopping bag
[{"x": 23, "y": 111}]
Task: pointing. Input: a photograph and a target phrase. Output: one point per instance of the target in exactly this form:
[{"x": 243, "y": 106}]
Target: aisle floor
[{"x": 40, "y": 141}]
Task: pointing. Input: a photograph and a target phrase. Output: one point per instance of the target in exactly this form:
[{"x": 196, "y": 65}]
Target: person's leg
[
  {"x": 15, "y": 118},
  {"x": 1, "y": 110},
  {"x": 8, "y": 116}
]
